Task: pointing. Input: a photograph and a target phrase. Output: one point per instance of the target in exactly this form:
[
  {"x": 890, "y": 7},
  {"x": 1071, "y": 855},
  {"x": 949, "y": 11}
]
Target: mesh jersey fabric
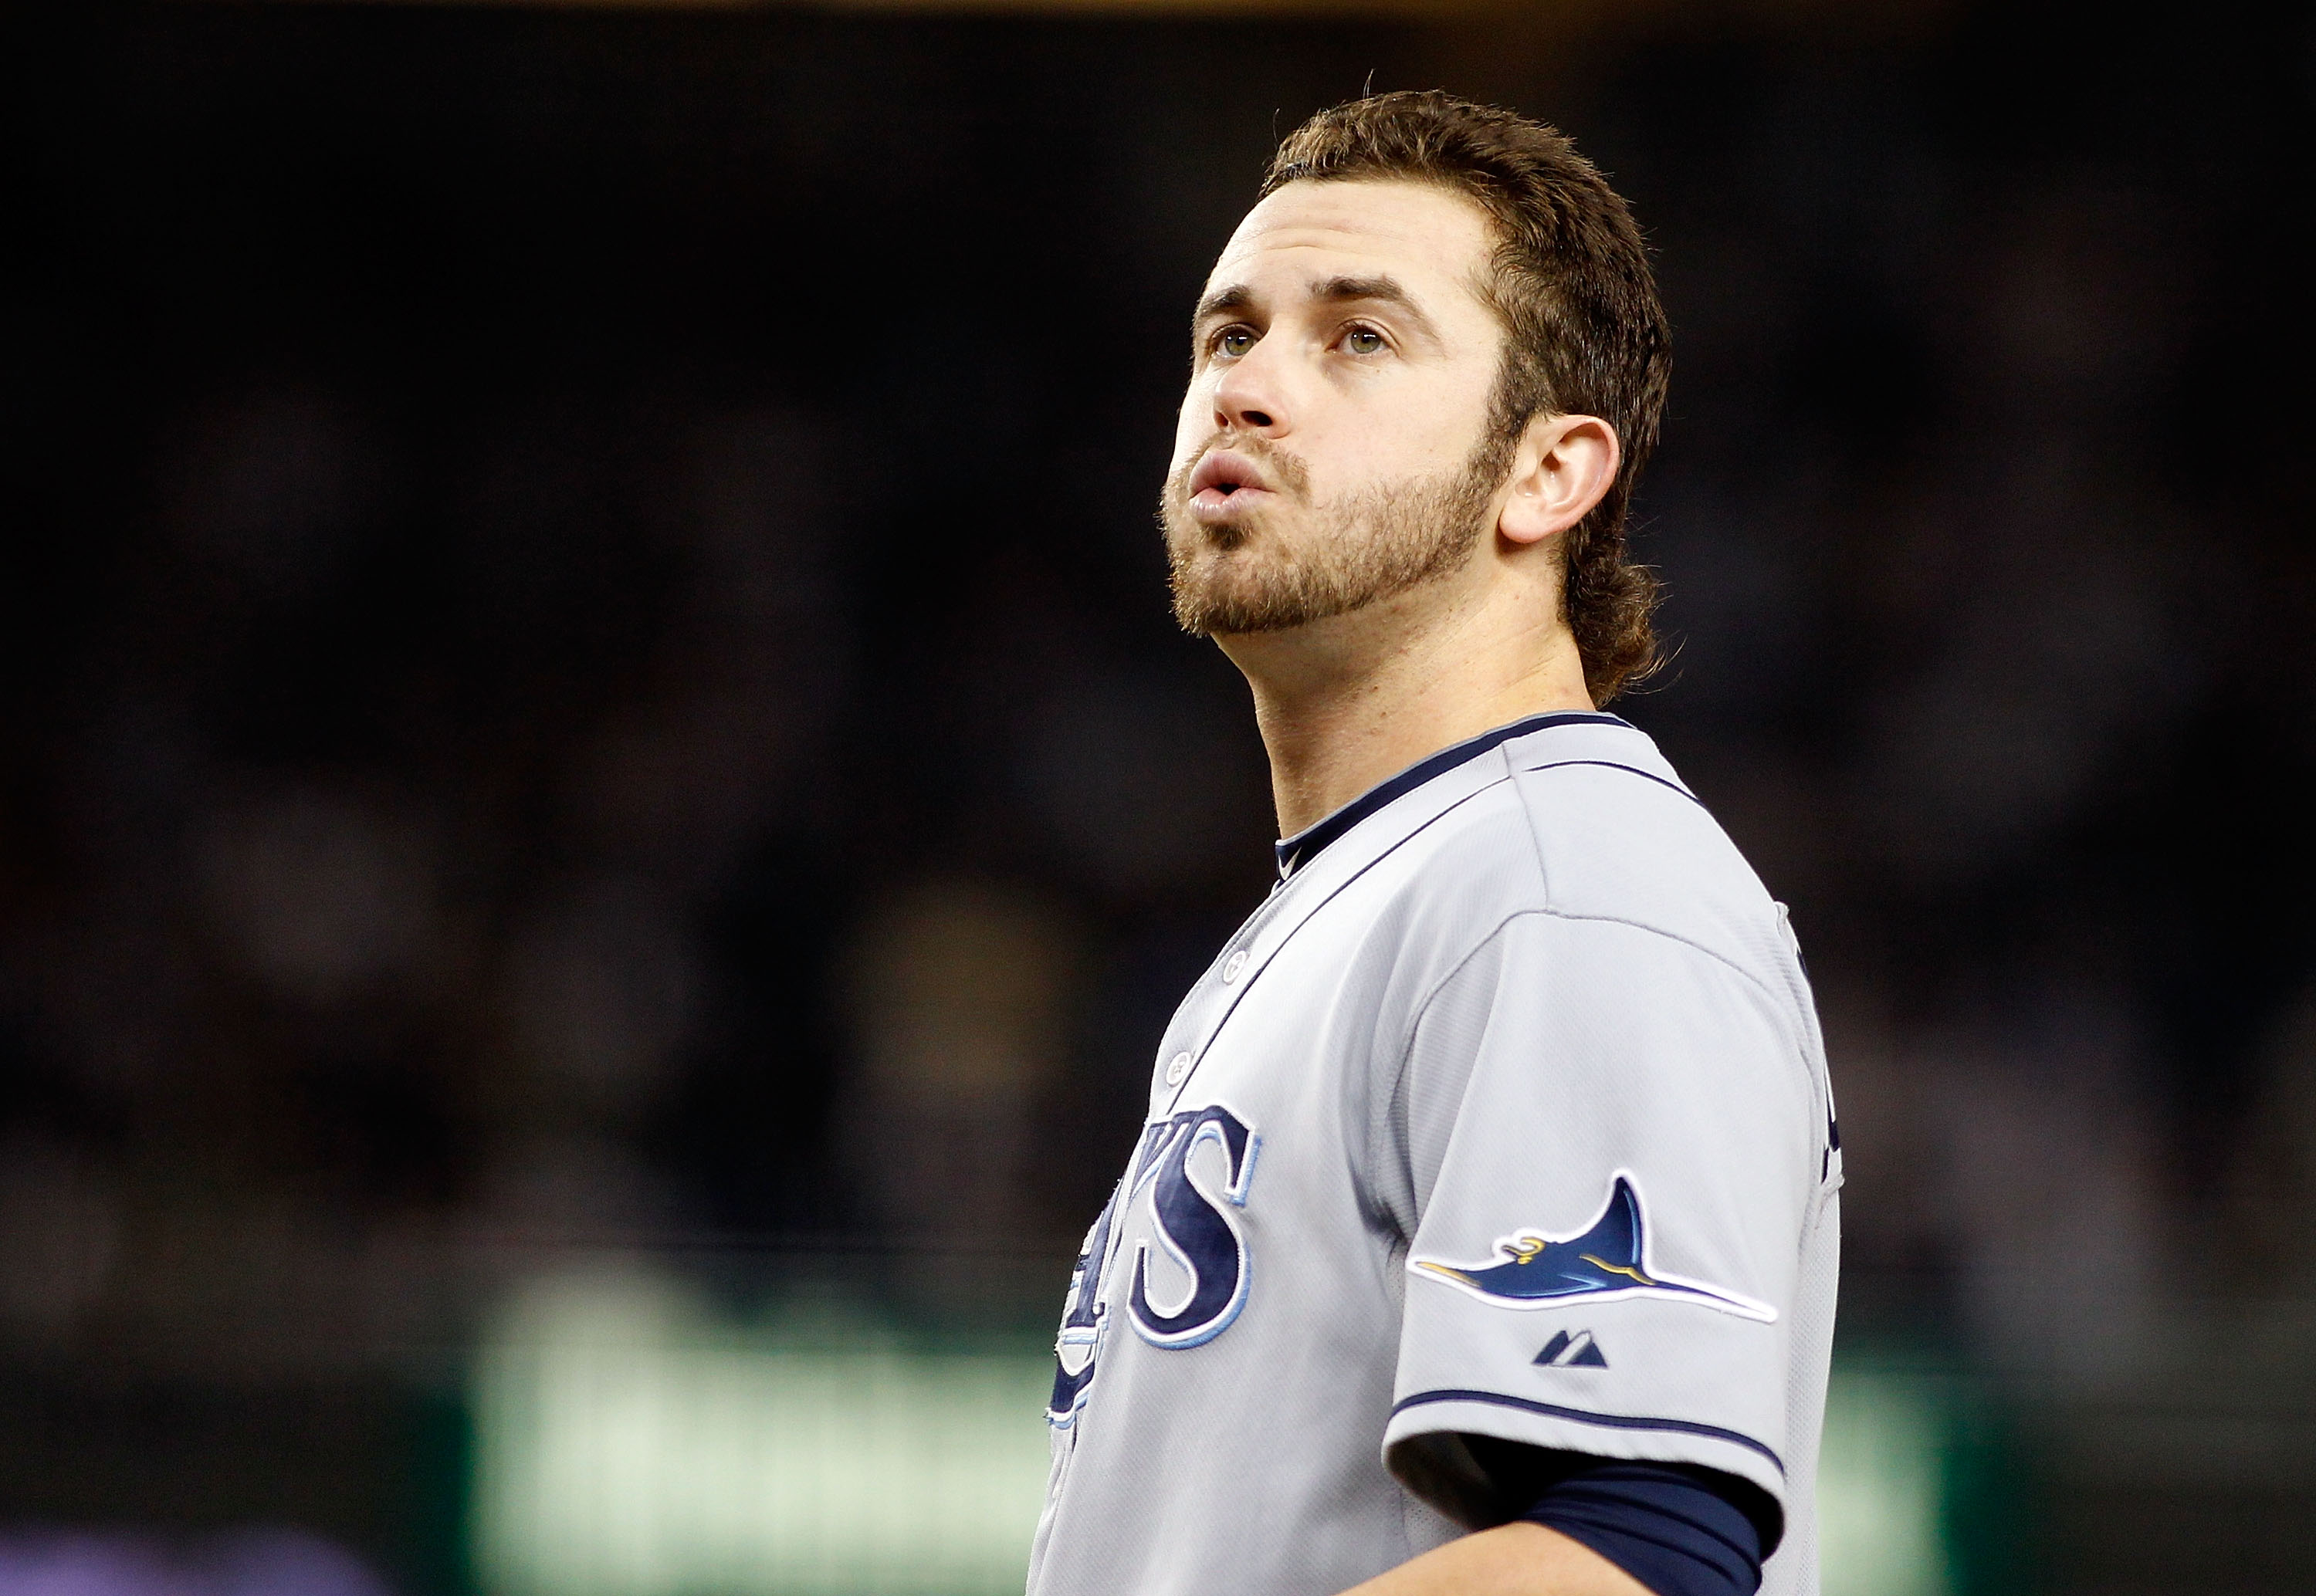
[{"x": 1505, "y": 1116}]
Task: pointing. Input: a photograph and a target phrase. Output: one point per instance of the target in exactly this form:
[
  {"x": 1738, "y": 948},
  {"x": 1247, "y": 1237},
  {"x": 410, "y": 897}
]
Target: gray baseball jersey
[{"x": 1505, "y": 1115}]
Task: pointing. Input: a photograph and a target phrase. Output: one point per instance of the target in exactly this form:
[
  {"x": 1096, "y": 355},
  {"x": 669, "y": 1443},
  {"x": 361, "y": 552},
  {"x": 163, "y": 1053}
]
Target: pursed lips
[{"x": 1224, "y": 482}]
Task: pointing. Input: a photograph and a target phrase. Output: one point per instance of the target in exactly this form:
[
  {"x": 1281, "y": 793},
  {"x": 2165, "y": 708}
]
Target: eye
[
  {"x": 1232, "y": 343},
  {"x": 1364, "y": 340}
]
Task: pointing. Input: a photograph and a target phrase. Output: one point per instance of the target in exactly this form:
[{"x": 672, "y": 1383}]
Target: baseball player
[{"x": 1482, "y": 1234}]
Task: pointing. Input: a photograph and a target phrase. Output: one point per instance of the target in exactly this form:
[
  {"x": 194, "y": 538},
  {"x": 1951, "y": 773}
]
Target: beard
[{"x": 1373, "y": 544}]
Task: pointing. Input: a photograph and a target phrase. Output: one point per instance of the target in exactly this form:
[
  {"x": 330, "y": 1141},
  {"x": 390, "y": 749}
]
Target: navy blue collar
[{"x": 1300, "y": 849}]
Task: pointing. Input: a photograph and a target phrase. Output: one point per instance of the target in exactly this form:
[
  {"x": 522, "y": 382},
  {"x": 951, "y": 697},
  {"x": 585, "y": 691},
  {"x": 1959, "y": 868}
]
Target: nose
[{"x": 1250, "y": 397}]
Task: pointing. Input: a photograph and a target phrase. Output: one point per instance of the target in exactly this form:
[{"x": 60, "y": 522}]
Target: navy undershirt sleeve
[
  {"x": 1658, "y": 1522},
  {"x": 1679, "y": 1529}
]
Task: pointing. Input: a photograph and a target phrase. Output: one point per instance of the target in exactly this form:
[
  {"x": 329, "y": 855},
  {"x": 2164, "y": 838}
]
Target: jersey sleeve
[{"x": 1610, "y": 1144}]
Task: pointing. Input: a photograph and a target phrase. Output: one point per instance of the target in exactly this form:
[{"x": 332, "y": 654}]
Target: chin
[
  {"x": 1216, "y": 598},
  {"x": 1187, "y": 536},
  {"x": 1208, "y": 605},
  {"x": 1230, "y": 580}
]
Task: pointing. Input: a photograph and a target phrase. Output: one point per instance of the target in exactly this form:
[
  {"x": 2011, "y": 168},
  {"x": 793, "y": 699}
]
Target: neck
[{"x": 1349, "y": 701}]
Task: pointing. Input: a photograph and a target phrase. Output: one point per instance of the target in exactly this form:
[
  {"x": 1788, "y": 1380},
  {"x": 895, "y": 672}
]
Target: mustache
[{"x": 1287, "y": 469}]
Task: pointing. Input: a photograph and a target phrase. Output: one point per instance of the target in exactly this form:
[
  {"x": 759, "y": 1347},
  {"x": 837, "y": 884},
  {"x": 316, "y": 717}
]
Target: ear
[{"x": 1561, "y": 467}]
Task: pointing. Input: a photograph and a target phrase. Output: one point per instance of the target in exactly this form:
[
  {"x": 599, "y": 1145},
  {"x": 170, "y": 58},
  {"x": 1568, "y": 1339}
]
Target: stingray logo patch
[{"x": 1607, "y": 1260}]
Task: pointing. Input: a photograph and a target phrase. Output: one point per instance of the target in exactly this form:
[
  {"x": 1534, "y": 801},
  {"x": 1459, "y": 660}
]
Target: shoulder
[
  {"x": 1466, "y": 868},
  {"x": 1618, "y": 837},
  {"x": 1587, "y": 823},
  {"x": 1582, "y": 821}
]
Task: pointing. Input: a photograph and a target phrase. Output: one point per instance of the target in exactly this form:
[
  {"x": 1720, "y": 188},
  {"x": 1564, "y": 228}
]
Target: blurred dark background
[{"x": 585, "y": 665}]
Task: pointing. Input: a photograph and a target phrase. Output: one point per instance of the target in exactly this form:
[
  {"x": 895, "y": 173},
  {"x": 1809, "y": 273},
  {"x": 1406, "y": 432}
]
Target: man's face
[{"x": 1331, "y": 450}]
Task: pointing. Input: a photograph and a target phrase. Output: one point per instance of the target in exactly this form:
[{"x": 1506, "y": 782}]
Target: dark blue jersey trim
[
  {"x": 1628, "y": 769},
  {"x": 1298, "y": 850},
  {"x": 1578, "y": 1415}
]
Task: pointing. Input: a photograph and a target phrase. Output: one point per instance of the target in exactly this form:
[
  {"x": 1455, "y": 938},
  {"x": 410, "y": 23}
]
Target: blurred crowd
[{"x": 586, "y": 660}]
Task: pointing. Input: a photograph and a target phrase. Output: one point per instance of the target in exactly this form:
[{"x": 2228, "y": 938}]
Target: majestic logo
[
  {"x": 1564, "y": 1351},
  {"x": 1203, "y": 1283},
  {"x": 1607, "y": 1260}
]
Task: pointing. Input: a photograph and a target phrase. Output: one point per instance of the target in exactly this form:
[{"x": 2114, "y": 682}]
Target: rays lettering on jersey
[{"x": 1192, "y": 1210}]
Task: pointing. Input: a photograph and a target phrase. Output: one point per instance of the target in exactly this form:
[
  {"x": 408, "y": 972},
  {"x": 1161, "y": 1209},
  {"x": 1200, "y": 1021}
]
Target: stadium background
[{"x": 600, "y": 811}]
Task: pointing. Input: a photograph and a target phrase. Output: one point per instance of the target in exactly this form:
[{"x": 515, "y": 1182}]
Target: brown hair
[{"x": 1584, "y": 331}]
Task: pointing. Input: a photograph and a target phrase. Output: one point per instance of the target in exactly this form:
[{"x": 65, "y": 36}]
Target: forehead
[{"x": 1429, "y": 237}]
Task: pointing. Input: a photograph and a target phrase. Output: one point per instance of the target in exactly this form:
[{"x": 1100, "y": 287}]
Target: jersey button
[
  {"x": 1177, "y": 1067},
  {"x": 1237, "y": 963}
]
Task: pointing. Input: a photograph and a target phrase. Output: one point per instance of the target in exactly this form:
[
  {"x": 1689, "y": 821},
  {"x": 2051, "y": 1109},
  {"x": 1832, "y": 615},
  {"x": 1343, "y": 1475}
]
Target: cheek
[
  {"x": 1438, "y": 439},
  {"x": 1198, "y": 413},
  {"x": 1195, "y": 425},
  {"x": 1420, "y": 422},
  {"x": 1407, "y": 444}
]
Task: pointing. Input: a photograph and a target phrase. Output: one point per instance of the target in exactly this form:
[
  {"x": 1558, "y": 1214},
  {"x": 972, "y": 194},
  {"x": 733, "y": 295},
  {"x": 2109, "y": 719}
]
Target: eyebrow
[
  {"x": 1334, "y": 291},
  {"x": 1384, "y": 291},
  {"x": 1222, "y": 302}
]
